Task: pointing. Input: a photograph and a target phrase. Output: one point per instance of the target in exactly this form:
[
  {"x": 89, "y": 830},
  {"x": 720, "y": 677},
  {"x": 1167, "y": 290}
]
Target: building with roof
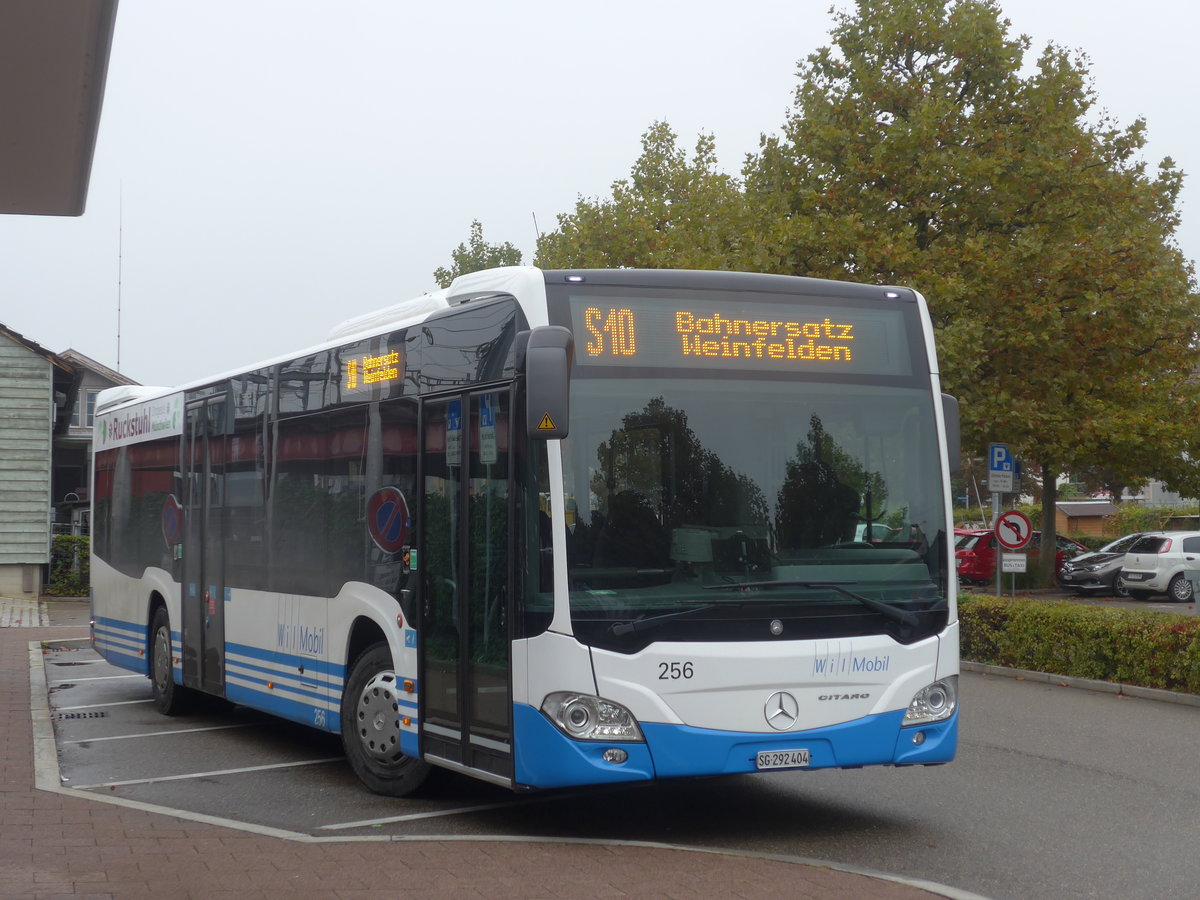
[
  {"x": 46, "y": 403},
  {"x": 35, "y": 394},
  {"x": 1090, "y": 517}
]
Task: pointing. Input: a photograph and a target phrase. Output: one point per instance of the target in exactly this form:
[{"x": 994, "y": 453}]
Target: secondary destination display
[
  {"x": 704, "y": 333},
  {"x": 369, "y": 364},
  {"x": 367, "y": 370}
]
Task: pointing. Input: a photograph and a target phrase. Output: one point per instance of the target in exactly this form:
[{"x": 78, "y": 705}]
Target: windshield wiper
[
  {"x": 654, "y": 621},
  {"x": 908, "y": 619}
]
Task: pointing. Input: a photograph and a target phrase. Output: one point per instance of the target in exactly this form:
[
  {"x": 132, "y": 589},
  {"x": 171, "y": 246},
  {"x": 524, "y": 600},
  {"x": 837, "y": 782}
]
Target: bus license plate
[{"x": 781, "y": 759}]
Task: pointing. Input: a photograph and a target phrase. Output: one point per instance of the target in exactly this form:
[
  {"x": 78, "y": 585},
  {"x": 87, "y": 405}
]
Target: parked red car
[{"x": 975, "y": 553}]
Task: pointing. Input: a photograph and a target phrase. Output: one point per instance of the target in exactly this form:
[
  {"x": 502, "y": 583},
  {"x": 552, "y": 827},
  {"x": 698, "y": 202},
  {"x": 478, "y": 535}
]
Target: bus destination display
[
  {"x": 368, "y": 370},
  {"x": 700, "y": 333}
]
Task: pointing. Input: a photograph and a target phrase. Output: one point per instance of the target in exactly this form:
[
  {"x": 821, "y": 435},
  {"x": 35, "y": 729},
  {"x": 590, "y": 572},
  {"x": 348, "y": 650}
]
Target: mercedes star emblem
[{"x": 781, "y": 710}]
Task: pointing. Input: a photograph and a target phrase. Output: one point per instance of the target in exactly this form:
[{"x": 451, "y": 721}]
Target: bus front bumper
[{"x": 547, "y": 758}]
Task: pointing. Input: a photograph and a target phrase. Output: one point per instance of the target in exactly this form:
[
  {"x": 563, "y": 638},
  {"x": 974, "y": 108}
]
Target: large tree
[
  {"x": 671, "y": 213},
  {"x": 475, "y": 255},
  {"x": 918, "y": 153}
]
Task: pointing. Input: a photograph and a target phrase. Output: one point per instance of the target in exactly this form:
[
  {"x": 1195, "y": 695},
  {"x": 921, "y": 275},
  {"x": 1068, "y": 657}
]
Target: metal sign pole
[{"x": 995, "y": 538}]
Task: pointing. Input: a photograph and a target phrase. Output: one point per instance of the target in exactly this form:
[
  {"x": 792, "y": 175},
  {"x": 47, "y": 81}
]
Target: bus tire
[
  {"x": 371, "y": 727},
  {"x": 170, "y": 699}
]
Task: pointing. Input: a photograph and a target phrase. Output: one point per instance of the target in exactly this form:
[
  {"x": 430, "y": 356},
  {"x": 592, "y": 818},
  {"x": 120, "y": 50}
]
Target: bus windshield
[{"x": 751, "y": 508}]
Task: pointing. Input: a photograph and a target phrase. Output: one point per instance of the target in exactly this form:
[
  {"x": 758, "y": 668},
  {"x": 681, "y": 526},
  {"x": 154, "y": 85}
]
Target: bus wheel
[
  {"x": 169, "y": 698},
  {"x": 371, "y": 727}
]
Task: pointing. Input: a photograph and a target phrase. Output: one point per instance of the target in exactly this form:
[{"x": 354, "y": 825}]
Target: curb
[{"x": 1090, "y": 684}]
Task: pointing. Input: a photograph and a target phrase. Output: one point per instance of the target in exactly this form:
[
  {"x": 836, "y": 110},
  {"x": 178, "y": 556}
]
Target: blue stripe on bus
[
  {"x": 122, "y": 643},
  {"x": 304, "y": 689},
  {"x": 125, "y": 661},
  {"x": 121, "y": 638},
  {"x": 119, "y": 625},
  {"x": 547, "y": 758},
  {"x": 289, "y": 675},
  {"x": 104, "y": 642},
  {"x": 291, "y": 659},
  {"x": 296, "y": 684},
  {"x": 284, "y": 707},
  {"x": 681, "y": 751}
]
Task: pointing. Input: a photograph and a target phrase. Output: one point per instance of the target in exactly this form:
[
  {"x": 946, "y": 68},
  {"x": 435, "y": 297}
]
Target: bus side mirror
[
  {"x": 953, "y": 435},
  {"x": 548, "y": 358}
]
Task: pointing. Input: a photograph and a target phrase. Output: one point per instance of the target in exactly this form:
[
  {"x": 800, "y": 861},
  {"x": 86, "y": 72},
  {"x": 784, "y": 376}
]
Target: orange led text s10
[{"x": 611, "y": 332}]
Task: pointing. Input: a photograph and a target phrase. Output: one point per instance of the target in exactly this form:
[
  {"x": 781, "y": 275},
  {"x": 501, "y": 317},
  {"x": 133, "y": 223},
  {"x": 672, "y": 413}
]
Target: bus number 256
[{"x": 670, "y": 671}]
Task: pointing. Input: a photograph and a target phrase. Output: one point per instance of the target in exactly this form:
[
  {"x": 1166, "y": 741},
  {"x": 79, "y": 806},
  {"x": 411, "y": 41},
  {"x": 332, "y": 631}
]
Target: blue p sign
[{"x": 999, "y": 460}]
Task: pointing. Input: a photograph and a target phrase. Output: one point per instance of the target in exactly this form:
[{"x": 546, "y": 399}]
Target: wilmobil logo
[
  {"x": 828, "y": 666},
  {"x": 143, "y": 422}
]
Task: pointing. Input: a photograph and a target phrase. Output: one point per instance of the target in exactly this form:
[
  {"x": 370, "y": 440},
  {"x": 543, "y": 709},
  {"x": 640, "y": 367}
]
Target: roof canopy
[{"x": 53, "y": 65}]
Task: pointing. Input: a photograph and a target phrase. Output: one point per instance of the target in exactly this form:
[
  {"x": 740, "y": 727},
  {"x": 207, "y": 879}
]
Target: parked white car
[{"x": 1160, "y": 563}]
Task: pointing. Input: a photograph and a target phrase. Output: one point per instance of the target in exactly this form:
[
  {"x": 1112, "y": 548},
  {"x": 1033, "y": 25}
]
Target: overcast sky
[{"x": 265, "y": 170}]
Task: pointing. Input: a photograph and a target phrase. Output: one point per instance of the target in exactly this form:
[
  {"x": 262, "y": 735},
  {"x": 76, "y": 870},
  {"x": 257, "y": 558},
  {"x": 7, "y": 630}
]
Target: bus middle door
[
  {"x": 465, "y": 554},
  {"x": 203, "y": 582}
]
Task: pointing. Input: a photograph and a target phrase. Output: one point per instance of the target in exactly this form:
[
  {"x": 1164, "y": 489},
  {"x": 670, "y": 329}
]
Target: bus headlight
[
  {"x": 588, "y": 718},
  {"x": 933, "y": 703}
]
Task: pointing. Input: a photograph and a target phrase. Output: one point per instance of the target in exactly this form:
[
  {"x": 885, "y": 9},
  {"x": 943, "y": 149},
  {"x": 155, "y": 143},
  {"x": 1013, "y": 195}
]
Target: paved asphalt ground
[{"x": 57, "y": 843}]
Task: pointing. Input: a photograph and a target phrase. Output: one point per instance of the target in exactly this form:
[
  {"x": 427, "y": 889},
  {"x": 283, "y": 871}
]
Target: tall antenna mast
[{"x": 120, "y": 239}]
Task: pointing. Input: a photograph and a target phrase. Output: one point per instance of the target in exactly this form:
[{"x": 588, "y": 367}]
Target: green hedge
[
  {"x": 1148, "y": 649},
  {"x": 70, "y": 566},
  {"x": 1093, "y": 541}
]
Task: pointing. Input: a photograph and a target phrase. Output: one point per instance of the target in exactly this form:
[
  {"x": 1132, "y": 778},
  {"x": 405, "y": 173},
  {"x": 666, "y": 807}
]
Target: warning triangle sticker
[{"x": 547, "y": 423}]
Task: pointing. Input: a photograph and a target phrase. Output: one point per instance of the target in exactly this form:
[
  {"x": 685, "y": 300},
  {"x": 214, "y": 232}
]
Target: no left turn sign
[{"x": 1013, "y": 530}]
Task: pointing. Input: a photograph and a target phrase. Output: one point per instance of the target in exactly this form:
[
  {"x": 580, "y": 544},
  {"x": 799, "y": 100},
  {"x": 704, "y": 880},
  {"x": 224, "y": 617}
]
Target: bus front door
[
  {"x": 464, "y": 552},
  {"x": 203, "y": 582}
]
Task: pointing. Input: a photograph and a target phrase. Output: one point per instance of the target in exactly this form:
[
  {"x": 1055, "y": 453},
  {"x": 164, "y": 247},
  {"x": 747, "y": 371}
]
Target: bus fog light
[
  {"x": 933, "y": 703},
  {"x": 919, "y": 738},
  {"x": 615, "y": 755},
  {"x": 588, "y": 718}
]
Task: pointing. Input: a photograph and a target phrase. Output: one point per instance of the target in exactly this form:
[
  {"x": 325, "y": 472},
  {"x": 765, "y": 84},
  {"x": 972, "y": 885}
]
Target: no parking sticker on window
[{"x": 387, "y": 519}]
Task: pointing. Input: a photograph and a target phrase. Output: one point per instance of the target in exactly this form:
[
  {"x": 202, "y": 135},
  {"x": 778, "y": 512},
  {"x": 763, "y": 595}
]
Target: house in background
[
  {"x": 46, "y": 403},
  {"x": 1091, "y": 517},
  {"x": 36, "y": 388}
]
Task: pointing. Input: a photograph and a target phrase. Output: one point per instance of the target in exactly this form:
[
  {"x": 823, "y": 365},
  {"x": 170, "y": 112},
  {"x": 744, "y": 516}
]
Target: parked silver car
[
  {"x": 1099, "y": 572},
  {"x": 1161, "y": 563}
]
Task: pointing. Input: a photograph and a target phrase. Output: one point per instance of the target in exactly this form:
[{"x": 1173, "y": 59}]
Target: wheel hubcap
[
  {"x": 379, "y": 717},
  {"x": 162, "y": 659}
]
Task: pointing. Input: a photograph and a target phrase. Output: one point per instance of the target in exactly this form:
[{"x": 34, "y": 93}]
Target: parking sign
[{"x": 1000, "y": 469}]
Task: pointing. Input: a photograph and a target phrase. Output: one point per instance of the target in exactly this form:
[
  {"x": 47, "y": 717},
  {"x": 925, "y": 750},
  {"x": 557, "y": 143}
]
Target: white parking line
[
  {"x": 93, "y": 678},
  {"x": 146, "y": 734},
  {"x": 98, "y": 705},
  {"x": 191, "y": 775}
]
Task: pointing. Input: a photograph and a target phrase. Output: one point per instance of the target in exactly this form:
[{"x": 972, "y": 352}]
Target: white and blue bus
[{"x": 555, "y": 528}]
